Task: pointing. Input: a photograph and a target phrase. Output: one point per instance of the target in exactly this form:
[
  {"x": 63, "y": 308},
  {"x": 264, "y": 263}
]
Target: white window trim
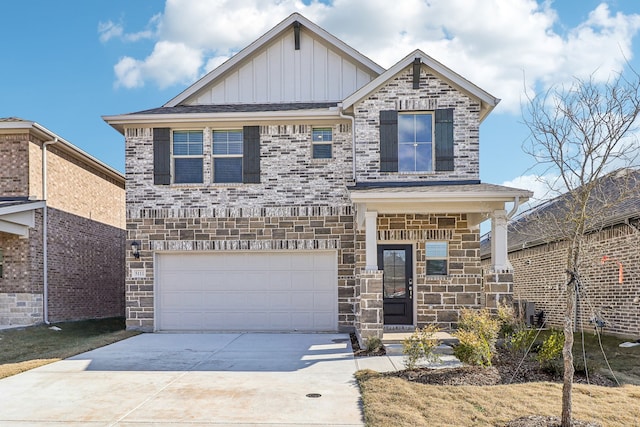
[
  {"x": 223, "y": 156},
  {"x": 433, "y": 137},
  {"x": 186, "y": 156},
  {"x": 330, "y": 143},
  {"x": 428, "y": 258}
]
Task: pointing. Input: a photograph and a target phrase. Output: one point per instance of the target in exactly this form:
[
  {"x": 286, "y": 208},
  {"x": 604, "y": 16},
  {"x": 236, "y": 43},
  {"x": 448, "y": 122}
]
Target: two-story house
[
  {"x": 300, "y": 186},
  {"x": 62, "y": 229}
]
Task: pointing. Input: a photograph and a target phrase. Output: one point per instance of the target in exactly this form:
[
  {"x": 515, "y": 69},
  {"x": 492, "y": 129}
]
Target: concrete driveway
[{"x": 193, "y": 379}]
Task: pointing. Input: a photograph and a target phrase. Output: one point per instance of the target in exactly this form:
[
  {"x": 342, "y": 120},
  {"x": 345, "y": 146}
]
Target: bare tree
[{"x": 579, "y": 135}]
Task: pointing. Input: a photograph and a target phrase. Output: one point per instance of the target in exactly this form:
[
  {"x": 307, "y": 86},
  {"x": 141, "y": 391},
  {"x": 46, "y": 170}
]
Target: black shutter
[
  {"x": 389, "y": 141},
  {"x": 251, "y": 154},
  {"x": 444, "y": 139},
  {"x": 161, "y": 156}
]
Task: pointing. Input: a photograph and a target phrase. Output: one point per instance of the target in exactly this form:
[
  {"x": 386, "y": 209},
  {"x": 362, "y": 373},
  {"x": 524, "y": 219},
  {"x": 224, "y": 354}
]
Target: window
[
  {"x": 415, "y": 142},
  {"x": 227, "y": 155},
  {"x": 436, "y": 255},
  {"x": 321, "y": 141},
  {"x": 187, "y": 157}
]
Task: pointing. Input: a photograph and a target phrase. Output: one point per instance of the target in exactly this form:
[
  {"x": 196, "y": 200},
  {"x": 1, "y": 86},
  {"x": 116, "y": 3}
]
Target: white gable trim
[
  {"x": 18, "y": 219},
  {"x": 265, "y": 39},
  {"x": 488, "y": 101}
]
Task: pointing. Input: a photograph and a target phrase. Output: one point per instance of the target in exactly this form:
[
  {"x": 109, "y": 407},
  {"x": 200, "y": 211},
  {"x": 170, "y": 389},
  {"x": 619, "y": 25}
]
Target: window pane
[
  {"x": 227, "y": 169},
  {"x": 187, "y": 170},
  {"x": 227, "y": 142},
  {"x": 393, "y": 279},
  {"x": 321, "y": 135},
  {"x": 436, "y": 267},
  {"x": 436, "y": 249},
  {"x": 187, "y": 143},
  {"x": 321, "y": 151},
  {"x": 406, "y": 158},
  {"x": 423, "y": 127},
  {"x": 424, "y": 160},
  {"x": 406, "y": 128}
]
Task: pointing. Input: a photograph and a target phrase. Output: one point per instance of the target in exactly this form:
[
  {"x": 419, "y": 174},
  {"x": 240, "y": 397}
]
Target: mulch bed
[{"x": 362, "y": 352}]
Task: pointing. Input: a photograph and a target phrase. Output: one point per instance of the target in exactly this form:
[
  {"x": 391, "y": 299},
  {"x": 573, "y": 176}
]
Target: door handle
[{"x": 410, "y": 288}]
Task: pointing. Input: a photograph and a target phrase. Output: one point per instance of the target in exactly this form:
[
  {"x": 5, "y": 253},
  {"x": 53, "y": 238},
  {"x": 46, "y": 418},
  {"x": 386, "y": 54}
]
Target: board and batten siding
[{"x": 280, "y": 73}]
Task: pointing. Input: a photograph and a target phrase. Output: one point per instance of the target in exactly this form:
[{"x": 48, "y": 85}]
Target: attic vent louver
[
  {"x": 296, "y": 34},
  {"x": 416, "y": 73}
]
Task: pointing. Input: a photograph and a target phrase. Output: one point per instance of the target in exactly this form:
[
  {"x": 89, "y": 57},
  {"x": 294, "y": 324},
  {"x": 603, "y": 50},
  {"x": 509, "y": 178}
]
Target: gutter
[
  {"x": 353, "y": 138},
  {"x": 45, "y": 263}
]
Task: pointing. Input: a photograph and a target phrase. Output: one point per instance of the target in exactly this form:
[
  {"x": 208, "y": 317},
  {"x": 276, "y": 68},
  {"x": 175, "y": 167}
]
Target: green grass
[
  {"x": 624, "y": 362},
  {"x": 27, "y": 348}
]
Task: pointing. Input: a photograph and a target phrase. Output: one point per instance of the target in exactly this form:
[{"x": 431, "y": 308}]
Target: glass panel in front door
[{"x": 394, "y": 279}]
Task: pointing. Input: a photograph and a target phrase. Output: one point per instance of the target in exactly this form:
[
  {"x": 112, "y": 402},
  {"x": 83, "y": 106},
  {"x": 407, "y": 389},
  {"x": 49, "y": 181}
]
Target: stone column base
[{"x": 369, "y": 315}]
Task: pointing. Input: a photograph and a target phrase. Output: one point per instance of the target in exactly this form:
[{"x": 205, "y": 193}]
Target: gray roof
[
  {"x": 239, "y": 108},
  {"x": 614, "y": 199},
  {"x": 435, "y": 187}
]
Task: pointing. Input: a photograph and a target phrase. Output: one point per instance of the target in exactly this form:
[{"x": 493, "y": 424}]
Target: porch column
[
  {"x": 371, "y": 234},
  {"x": 499, "y": 259}
]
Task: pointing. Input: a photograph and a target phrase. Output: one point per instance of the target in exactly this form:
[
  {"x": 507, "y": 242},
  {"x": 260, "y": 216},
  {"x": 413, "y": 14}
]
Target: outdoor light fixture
[{"x": 135, "y": 249}]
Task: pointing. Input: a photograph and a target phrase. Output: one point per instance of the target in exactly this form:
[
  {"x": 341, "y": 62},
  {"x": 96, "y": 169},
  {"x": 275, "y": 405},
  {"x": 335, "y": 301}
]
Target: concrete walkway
[{"x": 195, "y": 380}]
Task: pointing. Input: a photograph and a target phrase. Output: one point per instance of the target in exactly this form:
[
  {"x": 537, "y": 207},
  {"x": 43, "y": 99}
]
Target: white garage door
[{"x": 275, "y": 291}]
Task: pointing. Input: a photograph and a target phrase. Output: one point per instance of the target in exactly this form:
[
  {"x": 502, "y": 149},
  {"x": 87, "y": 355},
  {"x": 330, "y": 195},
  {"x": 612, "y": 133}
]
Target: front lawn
[
  {"x": 27, "y": 348},
  {"x": 464, "y": 396}
]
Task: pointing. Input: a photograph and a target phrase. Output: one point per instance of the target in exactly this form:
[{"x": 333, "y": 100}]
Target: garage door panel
[{"x": 275, "y": 291}]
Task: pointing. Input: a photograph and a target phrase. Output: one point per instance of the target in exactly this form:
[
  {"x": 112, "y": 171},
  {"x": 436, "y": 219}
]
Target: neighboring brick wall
[
  {"x": 14, "y": 165},
  {"x": 86, "y": 268},
  {"x": 540, "y": 277},
  {"x": 77, "y": 187},
  {"x": 221, "y": 229},
  {"x": 398, "y": 94}
]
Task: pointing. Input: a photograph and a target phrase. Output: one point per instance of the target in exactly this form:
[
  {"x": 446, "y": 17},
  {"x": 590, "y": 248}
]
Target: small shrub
[
  {"x": 373, "y": 345},
  {"x": 550, "y": 353},
  {"x": 509, "y": 323},
  {"x": 420, "y": 346},
  {"x": 521, "y": 340},
  {"x": 477, "y": 333},
  {"x": 472, "y": 349}
]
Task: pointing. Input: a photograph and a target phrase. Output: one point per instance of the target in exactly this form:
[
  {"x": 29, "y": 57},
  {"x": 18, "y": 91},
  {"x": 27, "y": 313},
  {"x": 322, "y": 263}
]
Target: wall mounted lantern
[{"x": 135, "y": 249}]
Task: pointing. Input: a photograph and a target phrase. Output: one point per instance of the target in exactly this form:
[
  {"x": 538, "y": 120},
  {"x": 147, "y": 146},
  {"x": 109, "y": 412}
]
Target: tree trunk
[{"x": 568, "y": 355}]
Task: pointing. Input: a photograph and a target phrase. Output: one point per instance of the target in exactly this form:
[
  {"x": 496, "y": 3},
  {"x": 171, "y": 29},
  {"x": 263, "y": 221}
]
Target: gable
[{"x": 296, "y": 61}]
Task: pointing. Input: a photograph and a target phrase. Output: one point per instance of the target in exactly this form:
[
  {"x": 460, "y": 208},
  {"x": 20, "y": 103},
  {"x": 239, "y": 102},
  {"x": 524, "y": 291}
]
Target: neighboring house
[
  {"x": 300, "y": 186},
  {"x": 62, "y": 234},
  {"x": 610, "y": 270}
]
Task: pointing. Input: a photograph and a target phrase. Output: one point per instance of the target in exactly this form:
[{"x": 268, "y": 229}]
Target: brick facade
[
  {"x": 398, "y": 94},
  {"x": 540, "y": 278},
  {"x": 86, "y": 235}
]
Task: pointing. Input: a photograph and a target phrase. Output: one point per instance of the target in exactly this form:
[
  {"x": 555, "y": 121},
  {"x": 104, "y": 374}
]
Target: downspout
[
  {"x": 45, "y": 264},
  {"x": 353, "y": 138},
  {"x": 516, "y": 205}
]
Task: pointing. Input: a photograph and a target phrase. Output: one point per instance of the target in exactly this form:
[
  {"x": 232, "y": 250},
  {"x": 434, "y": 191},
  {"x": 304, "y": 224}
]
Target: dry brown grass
[
  {"x": 391, "y": 401},
  {"x": 28, "y": 348}
]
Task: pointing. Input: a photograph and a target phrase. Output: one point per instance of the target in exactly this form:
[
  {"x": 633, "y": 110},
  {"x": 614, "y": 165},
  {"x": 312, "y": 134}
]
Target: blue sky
[{"x": 67, "y": 63}]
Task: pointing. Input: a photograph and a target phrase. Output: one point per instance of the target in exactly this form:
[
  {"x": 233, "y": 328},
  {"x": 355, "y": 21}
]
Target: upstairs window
[
  {"x": 227, "y": 156},
  {"x": 415, "y": 142},
  {"x": 321, "y": 141},
  {"x": 437, "y": 255},
  {"x": 187, "y": 157}
]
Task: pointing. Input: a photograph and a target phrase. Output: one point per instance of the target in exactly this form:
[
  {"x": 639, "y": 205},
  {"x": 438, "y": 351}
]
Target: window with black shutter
[{"x": 188, "y": 157}]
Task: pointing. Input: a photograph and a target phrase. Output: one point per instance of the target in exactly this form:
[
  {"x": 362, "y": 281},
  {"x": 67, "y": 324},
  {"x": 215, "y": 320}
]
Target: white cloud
[
  {"x": 109, "y": 30},
  {"x": 128, "y": 73},
  {"x": 496, "y": 44}
]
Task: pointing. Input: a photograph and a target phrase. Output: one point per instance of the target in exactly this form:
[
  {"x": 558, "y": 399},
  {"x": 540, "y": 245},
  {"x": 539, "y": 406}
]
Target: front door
[{"x": 397, "y": 283}]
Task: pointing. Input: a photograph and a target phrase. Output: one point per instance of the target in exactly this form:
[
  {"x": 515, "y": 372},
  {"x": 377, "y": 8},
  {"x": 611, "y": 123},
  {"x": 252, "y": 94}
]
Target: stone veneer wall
[
  {"x": 540, "y": 278},
  {"x": 398, "y": 94},
  {"x": 438, "y": 298},
  {"x": 250, "y": 229}
]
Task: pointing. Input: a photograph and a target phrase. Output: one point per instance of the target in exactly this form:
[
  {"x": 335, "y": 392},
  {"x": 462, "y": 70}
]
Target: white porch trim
[{"x": 371, "y": 234}]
